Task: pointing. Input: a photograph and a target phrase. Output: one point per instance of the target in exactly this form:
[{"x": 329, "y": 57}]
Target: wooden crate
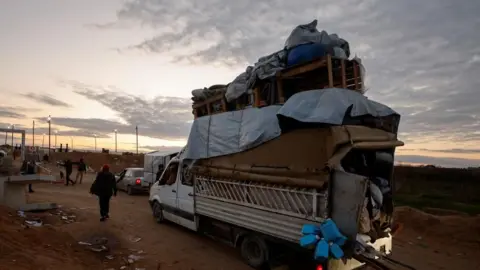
[
  {"x": 212, "y": 105},
  {"x": 325, "y": 72}
]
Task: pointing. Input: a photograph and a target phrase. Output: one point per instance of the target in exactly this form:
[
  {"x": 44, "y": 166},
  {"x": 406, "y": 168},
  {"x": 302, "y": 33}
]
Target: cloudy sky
[{"x": 96, "y": 66}]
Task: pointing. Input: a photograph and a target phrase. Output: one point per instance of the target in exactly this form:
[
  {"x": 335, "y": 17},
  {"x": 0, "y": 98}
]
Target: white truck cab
[{"x": 172, "y": 198}]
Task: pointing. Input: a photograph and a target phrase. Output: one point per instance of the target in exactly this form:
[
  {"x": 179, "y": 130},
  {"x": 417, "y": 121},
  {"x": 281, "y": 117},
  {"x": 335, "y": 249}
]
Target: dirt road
[{"x": 167, "y": 246}]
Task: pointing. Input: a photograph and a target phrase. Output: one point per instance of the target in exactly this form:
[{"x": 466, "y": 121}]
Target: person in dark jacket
[
  {"x": 82, "y": 168},
  {"x": 68, "y": 171},
  {"x": 104, "y": 187},
  {"x": 28, "y": 168}
]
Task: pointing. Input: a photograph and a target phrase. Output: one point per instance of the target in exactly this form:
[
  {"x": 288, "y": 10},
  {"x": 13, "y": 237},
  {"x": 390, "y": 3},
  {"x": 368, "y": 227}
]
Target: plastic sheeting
[
  {"x": 308, "y": 33},
  {"x": 328, "y": 106},
  {"x": 237, "y": 131},
  {"x": 231, "y": 132},
  {"x": 269, "y": 65}
]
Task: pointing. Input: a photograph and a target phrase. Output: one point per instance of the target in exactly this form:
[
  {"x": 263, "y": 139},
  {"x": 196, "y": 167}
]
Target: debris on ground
[
  {"x": 26, "y": 245},
  {"x": 34, "y": 223},
  {"x": 133, "y": 258},
  {"x": 135, "y": 239},
  {"x": 96, "y": 244}
]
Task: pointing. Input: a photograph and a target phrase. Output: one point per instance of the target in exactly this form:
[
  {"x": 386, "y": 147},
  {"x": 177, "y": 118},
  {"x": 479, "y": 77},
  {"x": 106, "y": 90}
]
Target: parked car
[{"x": 132, "y": 181}]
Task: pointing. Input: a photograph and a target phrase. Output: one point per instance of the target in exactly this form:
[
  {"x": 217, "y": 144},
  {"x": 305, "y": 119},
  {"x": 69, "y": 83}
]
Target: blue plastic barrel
[{"x": 305, "y": 52}]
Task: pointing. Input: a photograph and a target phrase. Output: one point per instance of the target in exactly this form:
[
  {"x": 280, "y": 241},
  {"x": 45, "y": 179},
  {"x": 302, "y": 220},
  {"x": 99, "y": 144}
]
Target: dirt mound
[
  {"x": 457, "y": 228},
  {"x": 24, "y": 246}
]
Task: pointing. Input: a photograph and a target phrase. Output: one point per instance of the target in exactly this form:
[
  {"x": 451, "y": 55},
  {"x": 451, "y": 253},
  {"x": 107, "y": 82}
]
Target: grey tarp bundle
[
  {"x": 269, "y": 65},
  {"x": 237, "y": 131},
  {"x": 329, "y": 106}
]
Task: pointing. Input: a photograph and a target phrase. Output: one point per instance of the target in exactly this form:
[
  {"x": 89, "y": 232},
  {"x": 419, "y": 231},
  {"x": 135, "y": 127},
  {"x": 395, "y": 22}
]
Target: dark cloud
[
  {"x": 6, "y": 113},
  {"x": 453, "y": 151},
  {"x": 161, "y": 117},
  {"x": 162, "y": 148},
  {"x": 441, "y": 161},
  {"x": 422, "y": 58},
  {"x": 86, "y": 127},
  {"x": 15, "y": 111},
  {"x": 46, "y": 99}
]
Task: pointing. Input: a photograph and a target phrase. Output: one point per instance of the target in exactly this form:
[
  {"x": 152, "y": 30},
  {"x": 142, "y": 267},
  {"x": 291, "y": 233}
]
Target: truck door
[
  {"x": 185, "y": 198},
  {"x": 348, "y": 196},
  {"x": 168, "y": 192}
]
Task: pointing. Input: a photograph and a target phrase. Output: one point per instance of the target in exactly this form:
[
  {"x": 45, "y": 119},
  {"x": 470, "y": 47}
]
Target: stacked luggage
[{"x": 310, "y": 60}]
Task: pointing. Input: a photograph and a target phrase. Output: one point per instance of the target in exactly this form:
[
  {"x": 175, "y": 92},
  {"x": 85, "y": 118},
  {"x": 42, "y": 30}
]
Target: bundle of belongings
[
  {"x": 304, "y": 44},
  {"x": 378, "y": 204}
]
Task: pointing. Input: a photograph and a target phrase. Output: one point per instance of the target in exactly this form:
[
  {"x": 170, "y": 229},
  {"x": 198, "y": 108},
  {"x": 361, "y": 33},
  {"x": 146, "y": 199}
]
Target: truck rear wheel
[{"x": 254, "y": 251}]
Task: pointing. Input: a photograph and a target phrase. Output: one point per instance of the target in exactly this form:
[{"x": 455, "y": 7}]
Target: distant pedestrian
[
  {"x": 29, "y": 168},
  {"x": 68, "y": 171},
  {"x": 104, "y": 187},
  {"x": 82, "y": 168}
]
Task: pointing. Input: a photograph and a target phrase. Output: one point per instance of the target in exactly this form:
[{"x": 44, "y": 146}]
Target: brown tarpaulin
[{"x": 300, "y": 157}]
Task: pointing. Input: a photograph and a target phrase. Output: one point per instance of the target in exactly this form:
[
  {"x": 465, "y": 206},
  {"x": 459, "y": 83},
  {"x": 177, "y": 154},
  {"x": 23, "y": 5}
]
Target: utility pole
[
  {"x": 13, "y": 127},
  {"x": 6, "y": 136},
  {"x": 56, "y": 132},
  {"x": 33, "y": 133},
  {"x": 116, "y": 140},
  {"x": 136, "y": 131},
  {"x": 49, "y": 133}
]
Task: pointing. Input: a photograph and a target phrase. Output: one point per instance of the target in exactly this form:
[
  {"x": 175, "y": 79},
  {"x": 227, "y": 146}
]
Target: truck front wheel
[
  {"x": 254, "y": 251},
  {"x": 157, "y": 212}
]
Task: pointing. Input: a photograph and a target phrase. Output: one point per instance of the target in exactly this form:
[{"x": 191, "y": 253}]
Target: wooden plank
[
  {"x": 330, "y": 71},
  {"x": 224, "y": 104},
  {"x": 280, "y": 95},
  {"x": 256, "y": 94},
  {"x": 209, "y": 108},
  {"x": 208, "y": 101},
  {"x": 344, "y": 76},
  {"x": 355, "y": 74},
  {"x": 303, "y": 68}
]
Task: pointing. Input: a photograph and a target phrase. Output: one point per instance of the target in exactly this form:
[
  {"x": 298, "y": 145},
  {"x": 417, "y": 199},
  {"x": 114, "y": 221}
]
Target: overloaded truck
[
  {"x": 301, "y": 147},
  {"x": 295, "y": 173}
]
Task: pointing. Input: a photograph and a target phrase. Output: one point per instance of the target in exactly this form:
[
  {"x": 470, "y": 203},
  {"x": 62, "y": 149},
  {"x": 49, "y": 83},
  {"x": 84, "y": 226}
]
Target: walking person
[
  {"x": 68, "y": 171},
  {"x": 82, "y": 168},
  {"x": 28, "y": 168},
  {"x": 104, "y": 187}
]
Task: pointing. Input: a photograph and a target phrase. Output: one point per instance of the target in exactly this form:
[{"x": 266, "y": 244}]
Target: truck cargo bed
[{"x": 276, "y": 210}]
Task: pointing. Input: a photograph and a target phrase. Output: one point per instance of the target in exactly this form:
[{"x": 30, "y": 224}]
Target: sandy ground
[{"x": 425, "y": 242}]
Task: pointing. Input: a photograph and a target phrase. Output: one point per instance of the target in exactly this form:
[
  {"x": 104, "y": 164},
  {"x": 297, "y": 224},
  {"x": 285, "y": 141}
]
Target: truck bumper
[
  {"x": 383, "y": 245},
  {"x": 140, "y": 189}
]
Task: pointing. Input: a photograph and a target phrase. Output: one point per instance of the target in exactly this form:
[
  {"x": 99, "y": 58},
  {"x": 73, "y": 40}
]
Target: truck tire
[
  {"x": 254, "y": 251},
  {"x": 157, "y": 212}
]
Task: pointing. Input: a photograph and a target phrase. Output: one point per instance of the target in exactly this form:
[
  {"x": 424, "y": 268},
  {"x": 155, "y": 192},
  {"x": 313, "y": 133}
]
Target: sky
[{"x": 96, "y": 66}]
